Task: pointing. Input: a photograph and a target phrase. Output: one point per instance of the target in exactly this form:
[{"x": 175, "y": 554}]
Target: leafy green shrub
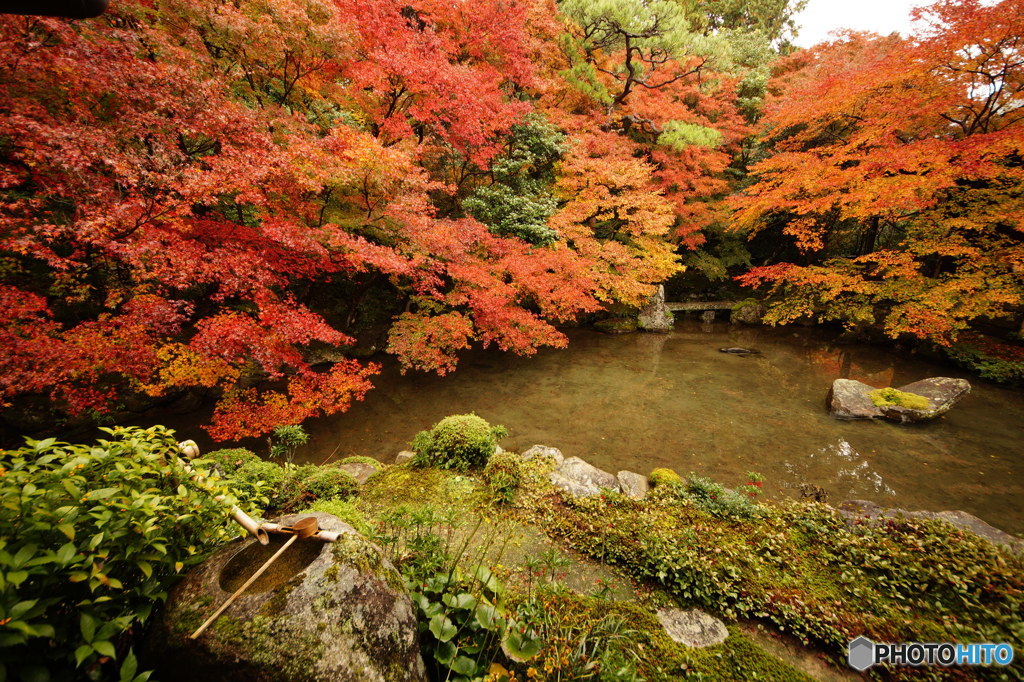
[
  {"x": 330, "y": 483},
  {"x": 94, "y": 535},
  {"x": 717, "y": 500},
  {"x": 460, "y": 442},
  {"x": 230, "y": 460},
  {"x": 992, "y": 359},
  {"x": 260, "y": 477},
  {"x": 285, "y": 440},
  {"x": 664, "y": 477},
  {"x": 344, "y": 510},
  {"x": 504, "y": 473},
  {"x": 884, "y": 397}
]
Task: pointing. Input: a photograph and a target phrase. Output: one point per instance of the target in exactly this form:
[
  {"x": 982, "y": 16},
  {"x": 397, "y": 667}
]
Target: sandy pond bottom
[{"x": 642, "y": 401}]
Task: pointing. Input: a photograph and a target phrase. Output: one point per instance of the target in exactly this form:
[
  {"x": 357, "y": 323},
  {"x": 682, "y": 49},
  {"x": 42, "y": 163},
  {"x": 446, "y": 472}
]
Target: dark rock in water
[
  {"x": 848, "y": 399},
  {"x": 655, "y": 316},
  {"x": 616, "y": 325},
  {"x": 809, "y": 491},
  {"x": 323, "y": 611},
  {"x": 865, "y": 511},
  {"x": 747, "y": 312},
  {"x": 739, "y": 351}
]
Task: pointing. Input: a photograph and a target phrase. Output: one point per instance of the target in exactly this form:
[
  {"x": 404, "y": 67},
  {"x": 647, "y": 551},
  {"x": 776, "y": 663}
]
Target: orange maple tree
[{"x": 896, "y": 171}]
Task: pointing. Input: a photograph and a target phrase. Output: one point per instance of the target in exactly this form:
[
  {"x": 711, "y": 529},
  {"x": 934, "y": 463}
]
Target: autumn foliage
[
  {"x": 207, "y": 195},
  {"x": 897, "y": 172},
  {"x": 237, "y": 197}
]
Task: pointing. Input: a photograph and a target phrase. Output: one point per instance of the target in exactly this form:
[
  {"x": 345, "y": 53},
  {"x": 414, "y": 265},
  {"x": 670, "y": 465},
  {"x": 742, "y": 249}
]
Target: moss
[
  {"x": 345, "y": 510},
  {"x": 618, "y": 635},
  {"x": 403, "y": 485},
  {"x": 504, "y": 474},
  {"x": 231, "y": 459},
  {"x": 366, "y": 558},
  {"x": 886, "y": 397},
  {"x": 259, "y": 640},
  {"x": 329, "y": 483},
  {"x": 360, "y": 459},
  {"x": 665, "y": 477},
  {"x": 616, "y": 325},
  {"x": 260, "y": 477},
  {"x": 461, "y": 441}
]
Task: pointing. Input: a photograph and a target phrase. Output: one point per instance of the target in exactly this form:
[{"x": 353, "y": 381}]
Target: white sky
[{"x": 880, "y": 16}]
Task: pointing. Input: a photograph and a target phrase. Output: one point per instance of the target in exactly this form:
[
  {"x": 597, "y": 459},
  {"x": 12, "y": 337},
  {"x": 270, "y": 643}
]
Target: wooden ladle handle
[{"x": 303, "y": 528}]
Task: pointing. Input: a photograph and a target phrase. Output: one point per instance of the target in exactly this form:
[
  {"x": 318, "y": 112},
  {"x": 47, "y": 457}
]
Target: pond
[{"x": 641, "y": 401}]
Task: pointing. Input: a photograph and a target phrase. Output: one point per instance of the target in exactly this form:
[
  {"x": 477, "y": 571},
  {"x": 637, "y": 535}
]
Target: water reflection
[
  {"x": 640, "y": 401},
  {"x": 853, "y": 473},
  {"x": 843, "y": 362}
]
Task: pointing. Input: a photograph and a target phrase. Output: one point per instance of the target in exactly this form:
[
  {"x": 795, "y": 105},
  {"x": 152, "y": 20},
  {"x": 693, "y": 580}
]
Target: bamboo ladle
[{"x": 303, "y": 528}]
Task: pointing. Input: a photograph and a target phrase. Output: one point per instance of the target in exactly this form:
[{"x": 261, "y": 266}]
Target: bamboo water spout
[
  {"x": 303, "y": 528},
  {"x": 190, "y": 450}
]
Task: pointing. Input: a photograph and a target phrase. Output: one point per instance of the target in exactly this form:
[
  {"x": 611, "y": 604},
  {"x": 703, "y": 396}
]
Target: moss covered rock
[
  {"x": 665, "y": 477},
  {"x": 616, "y": 325},
  {"x": 920, "y": 401},
  {"x": 323, "y": 611},
  {"x": 461, "y": 441}
]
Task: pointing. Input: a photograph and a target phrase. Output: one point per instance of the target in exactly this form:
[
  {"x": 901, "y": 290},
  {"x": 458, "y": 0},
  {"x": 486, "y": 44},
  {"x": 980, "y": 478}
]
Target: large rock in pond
[
  {"x": 323, "y": 611},
  {"x": 655, "y": 315},
  {"x": 616, "y": 325},
  {"x": 747, "y": 312},
  {"x": 582, "y": 479},
  {"x": 849, "y": 399}
]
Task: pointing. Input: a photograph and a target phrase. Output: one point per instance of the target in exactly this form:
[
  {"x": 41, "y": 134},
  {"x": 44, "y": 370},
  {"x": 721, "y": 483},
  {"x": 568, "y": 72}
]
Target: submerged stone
[
  {"x": 693, "y": 627},
  {"x": 323, "y": 611},
  {"x": 739, "y": 351},
  {"x": 616, "y": 325}
]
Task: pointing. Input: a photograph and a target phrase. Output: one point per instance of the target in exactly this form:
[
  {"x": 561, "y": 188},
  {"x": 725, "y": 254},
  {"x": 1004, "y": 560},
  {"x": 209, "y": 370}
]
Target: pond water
[{"x": 641, "y": 401}]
